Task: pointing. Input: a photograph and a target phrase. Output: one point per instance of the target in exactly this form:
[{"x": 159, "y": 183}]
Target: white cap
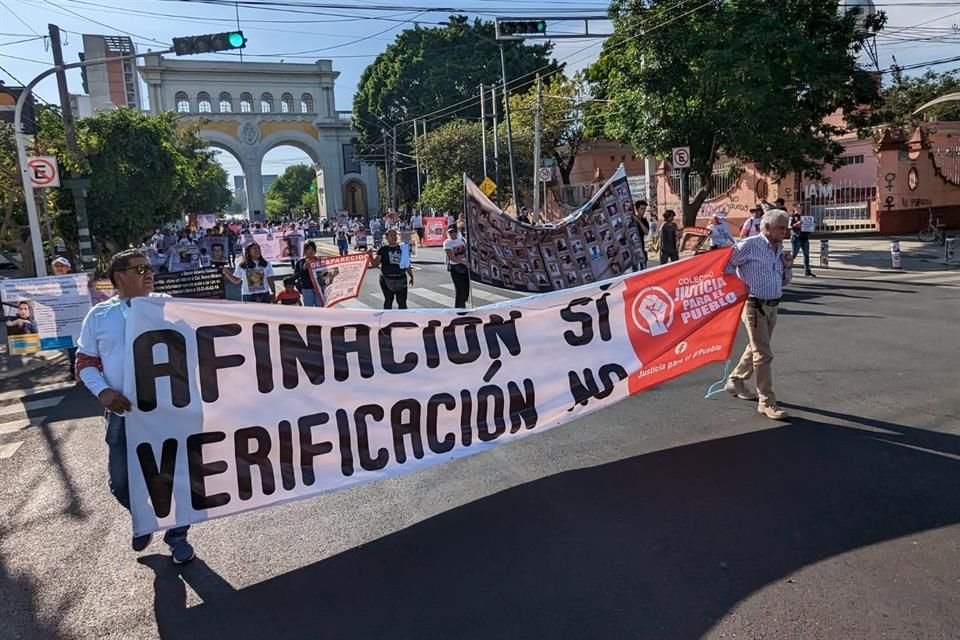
[{"x": 61, "y": 260}]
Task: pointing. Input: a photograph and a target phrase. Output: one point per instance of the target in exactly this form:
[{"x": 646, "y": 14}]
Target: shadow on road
[{"x": 661, "y": 545}]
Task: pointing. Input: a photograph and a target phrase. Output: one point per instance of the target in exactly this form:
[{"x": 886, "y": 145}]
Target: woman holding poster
[
  {"x": 253, "y": 274},
  {"x": 394, "y": 263},
  {"x": 301, "y": 271}
]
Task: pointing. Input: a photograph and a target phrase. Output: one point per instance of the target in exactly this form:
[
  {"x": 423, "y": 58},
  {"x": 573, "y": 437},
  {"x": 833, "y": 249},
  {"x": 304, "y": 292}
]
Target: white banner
[
  {"x": 43, "y": 314},
  {"x": 236, "y": 407}
]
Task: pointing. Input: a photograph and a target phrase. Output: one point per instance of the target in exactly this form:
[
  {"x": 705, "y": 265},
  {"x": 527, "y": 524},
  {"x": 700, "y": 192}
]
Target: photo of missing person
[
  {"x": 612, "y": 209},
  {"x": 582, "y": 264},
  {"x": 256, "y": 280},
  {"x": 611, "y": 252},
  {"x": 595, "y": 253},
  {"x": 218, "y": 253},
  {"x": 590, "y": 236},
  {"x": 617, "y": 222},
  {"x": 554, "y": 269},
  {"x": 507, "y": 280},
  {"x": 615, "y": 268},
  {"x": 548, "y": 253},
  {"x": 558, "y": 284},
  {"x": 571, "y": 277},
  {"x": 22, "y": 322},
  {"x": 577, "y": 246},
  {"x": 542, "y": 280},
  {"x": 561, "y": 245}
]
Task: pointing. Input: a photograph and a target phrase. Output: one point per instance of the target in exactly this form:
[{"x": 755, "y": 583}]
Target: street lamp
[
  {"x": 232, "y": 40},
  {"x": 506, "y": 112}
]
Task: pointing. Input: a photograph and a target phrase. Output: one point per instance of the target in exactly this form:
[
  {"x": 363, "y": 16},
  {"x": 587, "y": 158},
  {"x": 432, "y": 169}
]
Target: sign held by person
[
  {"x": 236, "y": 408},
  {"x": 44, "y": 314}
]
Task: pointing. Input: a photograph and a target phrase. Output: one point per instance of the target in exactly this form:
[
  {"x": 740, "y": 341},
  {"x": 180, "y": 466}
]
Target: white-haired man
[{"x": 764, "y": 266}]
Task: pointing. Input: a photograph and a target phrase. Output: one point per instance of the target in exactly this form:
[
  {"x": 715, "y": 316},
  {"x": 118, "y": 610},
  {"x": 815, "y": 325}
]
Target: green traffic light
[
  {"x": 235, "y": 39},
  {"x": 541, "y": 27}
]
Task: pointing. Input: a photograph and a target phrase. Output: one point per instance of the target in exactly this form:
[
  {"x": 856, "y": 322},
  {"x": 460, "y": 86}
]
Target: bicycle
[{"x": 934, "y": 232}]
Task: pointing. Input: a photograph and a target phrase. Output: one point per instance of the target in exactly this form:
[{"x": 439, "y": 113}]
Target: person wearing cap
[
  {"x": 751, "y": 227},
  {"x": 61, "y": 267},
  {"x": 720, "y": 236}
]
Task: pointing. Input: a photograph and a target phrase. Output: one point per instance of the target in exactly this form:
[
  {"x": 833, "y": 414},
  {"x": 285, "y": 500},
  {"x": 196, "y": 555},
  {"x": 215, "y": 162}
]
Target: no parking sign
[{"x": 43, "y": 172}]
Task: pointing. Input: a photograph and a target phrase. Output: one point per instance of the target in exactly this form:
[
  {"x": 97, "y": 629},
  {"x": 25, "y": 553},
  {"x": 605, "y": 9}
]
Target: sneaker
[
  {"x": 139, "y": 543},
  {"x": 737, "y": 388},
  {"x": 182, "y": 553},
  {"x": 772, "y": 411},
  {"x": 810, "y": 274}
]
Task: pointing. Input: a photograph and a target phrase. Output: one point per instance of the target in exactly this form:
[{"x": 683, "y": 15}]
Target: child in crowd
[{"x": 290, "y": 295}]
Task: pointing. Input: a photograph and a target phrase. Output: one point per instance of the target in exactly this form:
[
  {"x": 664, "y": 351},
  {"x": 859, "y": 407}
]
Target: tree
[
  {"x": 455, "y": 149},
  {"x": 286, "y": 193},
  {"x": 426, "y": 71},
  {"x": 207, "y": 183},
  {"x": 562, "y": 123},
  {"x": 752, "y": 80},
  {"x": 901, "y": 99}
]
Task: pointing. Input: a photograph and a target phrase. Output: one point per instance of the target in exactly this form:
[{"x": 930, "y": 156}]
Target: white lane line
[
  {"x": 20, "y": 425},
  {"x": 18, "y": 394},
  {"x": 7, "y": 450},
  {"x": 354, "y": 303},
  {"x": 483, "y": 294},
  {"x": 27, "y": 407},
  {"x": 445, "y": 301}
]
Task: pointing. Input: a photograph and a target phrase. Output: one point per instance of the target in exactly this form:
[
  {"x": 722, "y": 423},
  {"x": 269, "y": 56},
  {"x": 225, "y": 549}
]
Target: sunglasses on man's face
[{"x": 139, "y": 268}]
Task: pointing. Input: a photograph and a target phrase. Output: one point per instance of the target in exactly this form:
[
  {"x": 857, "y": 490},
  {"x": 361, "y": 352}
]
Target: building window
[
  {"x": 203, "y": 102},
  {"x": 266, "y": 103},
  {"x": 246, "y": 103},
  {"x": 306, "y": 103},
  {"x": 286, "y": 103},
  {"x": 845, "y": 160},
  {"x": 226, "y": 103},
  {"x": 182, "y": 102}
]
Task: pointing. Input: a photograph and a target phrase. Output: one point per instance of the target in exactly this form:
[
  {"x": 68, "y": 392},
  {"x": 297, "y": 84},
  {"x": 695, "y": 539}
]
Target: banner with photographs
[
  {"x": 276, "y": 247},
  {"x": 338, "y": 279},
  {"x": 203, "y": 284},
  {"x": 434, "y": 230},
  {"x": 215, "y": 250},
  {"x": 43, "y": 314},
  {"x": 183, "y": 258},
  {"x": 206, "y": 221},
  {"x": 599, "y": 240}
]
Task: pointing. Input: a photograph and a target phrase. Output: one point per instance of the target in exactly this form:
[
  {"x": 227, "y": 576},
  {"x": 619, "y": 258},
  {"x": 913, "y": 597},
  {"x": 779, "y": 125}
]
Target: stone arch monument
[{"x": 249, "y": 108}]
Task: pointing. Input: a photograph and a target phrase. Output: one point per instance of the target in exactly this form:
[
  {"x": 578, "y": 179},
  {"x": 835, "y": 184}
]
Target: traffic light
[
  {"x": 190, "y": 45},
  {"x": 522, "y": 27}
]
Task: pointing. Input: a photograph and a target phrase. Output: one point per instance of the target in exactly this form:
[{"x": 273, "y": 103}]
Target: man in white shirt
[
  {"x": 456, "y": 258},
  {"x": 100, "y": 363}
]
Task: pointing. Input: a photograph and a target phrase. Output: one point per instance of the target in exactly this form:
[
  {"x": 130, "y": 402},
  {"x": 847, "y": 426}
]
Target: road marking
[
  {"x": 35, "y": 391},
  {"x": 27, "y": 407},
  {"x": 435, "y": 296},
  {"x": 19, "y": 425},
  {"x": 484, "y": 294},
  {"x": 7, "y": 450},
  {"x": 355, "y": 303}
]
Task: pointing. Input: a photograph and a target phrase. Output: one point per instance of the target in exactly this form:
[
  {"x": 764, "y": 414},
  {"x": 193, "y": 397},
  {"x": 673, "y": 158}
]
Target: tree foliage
[
  {"x": 562, "y": 119},
  {"x": 905, "y": 95},
  {"x": 425, "y": 71},
  {"x": 753, "y": 80},
  {"x": 456, "y": 149},
  {"x": 287, "y": 192},
  {"x": 144, "y": 171}
]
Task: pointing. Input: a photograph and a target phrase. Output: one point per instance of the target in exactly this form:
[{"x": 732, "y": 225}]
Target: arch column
[{"x": 253, "y": 184}]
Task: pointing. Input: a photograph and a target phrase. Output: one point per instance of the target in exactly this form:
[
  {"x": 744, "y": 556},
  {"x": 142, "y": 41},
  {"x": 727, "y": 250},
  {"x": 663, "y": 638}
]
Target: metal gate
[{"x": 841, "y": 206}]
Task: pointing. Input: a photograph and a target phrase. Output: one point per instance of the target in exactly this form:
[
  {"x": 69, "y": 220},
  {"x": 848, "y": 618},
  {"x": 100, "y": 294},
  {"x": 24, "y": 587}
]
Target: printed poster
[
  {"x": 216, "y": 249},
  {"x": 338, "y": 279},
  {"x": 600, "y": 240},
  {"x": 43, "y": 314},
  {"x": 434, "y": 230},
  {"x": 694, "y": 240},
  {"x": 183, "y": 258}
]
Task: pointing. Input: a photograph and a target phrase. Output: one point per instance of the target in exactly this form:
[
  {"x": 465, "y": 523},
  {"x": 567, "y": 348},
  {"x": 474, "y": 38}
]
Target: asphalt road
[{"x": 666, "y": 516}]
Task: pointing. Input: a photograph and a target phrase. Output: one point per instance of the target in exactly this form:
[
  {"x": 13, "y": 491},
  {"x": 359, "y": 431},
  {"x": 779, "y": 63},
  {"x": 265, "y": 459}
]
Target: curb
[{"x": 35, "y": 363}]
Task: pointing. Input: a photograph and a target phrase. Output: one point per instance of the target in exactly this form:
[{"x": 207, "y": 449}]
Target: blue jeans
[
  {"x": 799, "y": 244},
  {"x": 310, "y": 298},
  {"x": 257, "y": 297},
  {"x": 116, "y": 439},
  {"x": 343, "y": 247}
]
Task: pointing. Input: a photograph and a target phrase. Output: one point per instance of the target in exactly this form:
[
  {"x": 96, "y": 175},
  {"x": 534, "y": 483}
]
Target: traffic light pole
[
  {"x": 506, "y": 114},
  {"x": 33, "y": 218}
]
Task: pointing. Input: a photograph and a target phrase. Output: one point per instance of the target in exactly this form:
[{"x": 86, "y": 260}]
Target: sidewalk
[{"x": 872, "y": 254}]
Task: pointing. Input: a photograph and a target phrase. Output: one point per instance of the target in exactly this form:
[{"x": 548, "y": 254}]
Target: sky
[{"x": 352, "y": 33}]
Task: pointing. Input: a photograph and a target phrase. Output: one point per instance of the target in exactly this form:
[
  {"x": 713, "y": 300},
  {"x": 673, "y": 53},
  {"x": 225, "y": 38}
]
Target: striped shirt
[{"x": 759, "y": 265}]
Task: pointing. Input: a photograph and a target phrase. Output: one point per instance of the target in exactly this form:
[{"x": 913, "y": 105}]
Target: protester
[
  {"x": 720, "y": 235},
  {"x": 751, "y": 226},
  {"x": 101, "y": 367},
  {"x": 764, "y": 266},
  {"x": 800, "y": 240},
  {"x": 393, "y": 260},
  {"x": 302, "y": 273},
  {"x": 524, "y": 215},
  {"x": 290, "y": 296},
  {"x": 62, "y": 267},
  {"x": 416, "y": 221},
  {"x": 639, "y": 213},
  {"x": 669, "y": 238},
  {"x": 343, "y": 240},
  {"x": 456, "y": 259},
  {"x": 253, "y": 274}
]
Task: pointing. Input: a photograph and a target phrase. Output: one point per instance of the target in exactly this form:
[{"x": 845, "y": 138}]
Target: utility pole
[
  {"x": 69, "y": 129},
  {"x": 496, "y": 146},
  {"x": 393, "y": 178},
  {"x": 483, "y": 127},
  {"x": 536, "y": 149},
  {"x": 386, "y": 166},
  {"x": 417, "y": 152},
  {"x": 506, "y": 113}
]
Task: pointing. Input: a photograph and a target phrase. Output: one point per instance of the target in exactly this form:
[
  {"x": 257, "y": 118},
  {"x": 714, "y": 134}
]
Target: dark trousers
[
  {"x": 116, "y": 439},
  {"x": 257, "y": 297},
  {"x": 669, "y": 256},
  {"x": 799, "y": 244},
  {"x": 388, "y": 295},
  {"x": 461, "y": 283}
]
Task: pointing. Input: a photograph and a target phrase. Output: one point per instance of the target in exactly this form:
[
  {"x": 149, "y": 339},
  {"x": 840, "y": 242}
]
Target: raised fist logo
[{"x": 653, "y": 311}]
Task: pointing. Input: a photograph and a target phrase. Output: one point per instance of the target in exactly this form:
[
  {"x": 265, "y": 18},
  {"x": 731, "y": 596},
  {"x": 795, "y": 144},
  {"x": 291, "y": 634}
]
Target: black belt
[{"x": 767, "y": 303}]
